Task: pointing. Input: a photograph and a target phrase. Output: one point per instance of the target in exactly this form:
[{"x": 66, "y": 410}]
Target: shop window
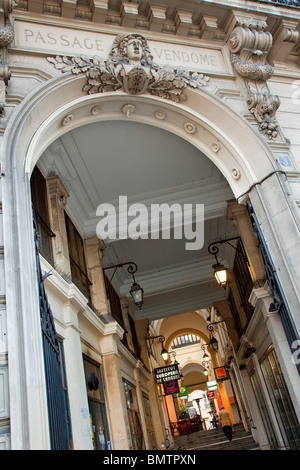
[
  {"x": 149, "y": 422},
  {"x": 133, "y": 416},
  {"x": 41, "y": 214},
  {"x": 264, "y": 411},
  {"x": 115, "y": 307},
  {"x": 281, "y": 400},
  {"x": 96, "y": 401},
  {"x": 77, "y": 258}
]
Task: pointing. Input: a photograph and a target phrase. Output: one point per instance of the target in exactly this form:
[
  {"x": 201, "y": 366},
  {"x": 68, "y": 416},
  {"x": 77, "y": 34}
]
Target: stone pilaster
[
  {"x": 238, "y": 215},
  {"x": 58, "y": 198},
  {"x": 94, "y": 252},
  {"x": 115, "y": 395},
  {"x": 137, "y": 373}
]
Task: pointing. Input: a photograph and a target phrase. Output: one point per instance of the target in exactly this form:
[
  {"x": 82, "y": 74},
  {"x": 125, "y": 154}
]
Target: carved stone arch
[
  {"x": 58, "y": 105},
  {"x": 225, "y": 137}
]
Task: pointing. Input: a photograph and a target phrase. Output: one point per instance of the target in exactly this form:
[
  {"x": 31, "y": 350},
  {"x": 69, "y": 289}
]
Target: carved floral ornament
[
  {"x": 249, "y": 45},
  {"x": 130, "y": 68}
]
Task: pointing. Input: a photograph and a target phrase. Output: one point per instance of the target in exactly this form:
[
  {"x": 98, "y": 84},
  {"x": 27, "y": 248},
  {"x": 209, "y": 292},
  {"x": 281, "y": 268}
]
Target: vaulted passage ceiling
[{"x": 102, "y": 161}]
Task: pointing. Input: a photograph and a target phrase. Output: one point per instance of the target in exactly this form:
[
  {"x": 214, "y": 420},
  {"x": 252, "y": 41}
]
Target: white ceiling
[{"x": 101, "y": 161}]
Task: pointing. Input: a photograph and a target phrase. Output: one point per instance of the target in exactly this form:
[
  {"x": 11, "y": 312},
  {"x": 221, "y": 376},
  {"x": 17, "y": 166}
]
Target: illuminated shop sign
[
  {"x": 221, "y": 374},
  {"x": 166, "y": 374},
  {"x": 212, "y": 385}
]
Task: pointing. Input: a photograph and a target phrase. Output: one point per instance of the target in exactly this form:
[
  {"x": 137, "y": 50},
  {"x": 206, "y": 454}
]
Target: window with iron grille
[
  {"x": 135, "y": 342},
  {"x": 115, "y": 306},
  {"x": 77, "y": 258},
  {"x": 235, "y": 313},
  {"x": 40, "y": 207},
  {"x": 243, "y": 280}
]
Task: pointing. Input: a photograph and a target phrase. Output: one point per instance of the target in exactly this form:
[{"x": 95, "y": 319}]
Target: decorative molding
[
  {"x": 130, "y": 68},
  {"x": 190, "y": 128},
  {"x": 159, "y": 114},
  {"x": 250, "y": 44},
  {"x": 128, "y": 109}
]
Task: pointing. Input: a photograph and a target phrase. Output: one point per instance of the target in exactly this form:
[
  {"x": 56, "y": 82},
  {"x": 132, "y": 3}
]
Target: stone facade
[{"x": 223, "y": 77}]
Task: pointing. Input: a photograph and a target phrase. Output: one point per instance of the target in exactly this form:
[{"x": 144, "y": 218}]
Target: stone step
[
  {"x": 241, "y": 443},
  {"x": 210, "y": 435},
  {"x": 215, "y": 440}
]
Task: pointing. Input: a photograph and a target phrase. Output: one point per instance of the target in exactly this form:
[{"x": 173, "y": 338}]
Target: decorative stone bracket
[
  {"x": 249, "y": 45},
  {"x": 130, "y": 68},
  {"x": 6, "y": 37}
]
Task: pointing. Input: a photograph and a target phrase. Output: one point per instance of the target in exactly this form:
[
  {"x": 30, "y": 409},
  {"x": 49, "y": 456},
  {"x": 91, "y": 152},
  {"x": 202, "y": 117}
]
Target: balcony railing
[{"x": 284, "y": 3}]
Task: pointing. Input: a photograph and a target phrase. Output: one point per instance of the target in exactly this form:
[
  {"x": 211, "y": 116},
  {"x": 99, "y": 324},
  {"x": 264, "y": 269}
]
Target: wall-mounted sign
[
  {"x": 167, "y": 373},
  {"x": 171, "y": 387},
  {"x": 221, "y": 374},
  {"x": 54, "y": 39},
  {"x": 211, "y": 395}
]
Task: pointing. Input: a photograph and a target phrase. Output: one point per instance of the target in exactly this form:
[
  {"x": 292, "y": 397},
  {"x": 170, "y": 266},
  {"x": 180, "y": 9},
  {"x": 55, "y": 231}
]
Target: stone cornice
[{"x": 205, "y": 21}]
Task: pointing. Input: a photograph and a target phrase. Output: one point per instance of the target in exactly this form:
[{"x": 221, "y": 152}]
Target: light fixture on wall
[
  {"x": 161, "y": 339},
  {"x": 205, "y": 355},
  {"x": 220, "y": 272},
  {"x": 214, "y": 343},
  {"x": 136, "y": 291}
]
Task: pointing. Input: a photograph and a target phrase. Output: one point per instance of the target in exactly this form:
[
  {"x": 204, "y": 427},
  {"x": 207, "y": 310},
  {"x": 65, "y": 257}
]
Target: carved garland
[
  {"x": 249, "y": 46},
  {"x": 134, "y": 77},
  {"x": 6, "y": 37}
]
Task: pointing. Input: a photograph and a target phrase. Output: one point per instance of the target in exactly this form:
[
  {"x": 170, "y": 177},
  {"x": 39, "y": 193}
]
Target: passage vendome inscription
[{"x": 57, "y": 40}]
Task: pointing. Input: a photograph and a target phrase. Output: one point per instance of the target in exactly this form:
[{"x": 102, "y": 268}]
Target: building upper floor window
[
  {"x": 41, "y": 213},
  {"x": 77, "y": 258}
]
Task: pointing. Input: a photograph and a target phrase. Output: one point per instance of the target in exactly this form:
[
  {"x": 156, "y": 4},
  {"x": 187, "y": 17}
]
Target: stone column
[
  {"x": 78, "y": 400},
  {"x": 115, "y": 395},
  {"x": 94, "y": 252},
  {"x": 137, "y": 372},
  {"x": 239, "y": 216},
  {"x": 155, "y": 403},
  {"x": 58, "y": 196}
]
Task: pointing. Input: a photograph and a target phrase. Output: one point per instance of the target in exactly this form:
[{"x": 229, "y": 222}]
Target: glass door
[
  {"x": 281, "y": 401},
  {"x": 133, "y": 416},
  {"x": 96, "y": 402},
  {"x": 264, "y": 411}
]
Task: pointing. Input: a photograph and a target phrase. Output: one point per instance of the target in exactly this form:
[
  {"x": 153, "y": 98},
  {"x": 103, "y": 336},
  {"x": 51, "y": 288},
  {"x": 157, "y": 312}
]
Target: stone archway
[{"x": 58, "y": 106}]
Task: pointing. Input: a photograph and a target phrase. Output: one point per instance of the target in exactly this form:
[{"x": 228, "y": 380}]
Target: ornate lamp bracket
[{"x": 249, "y": 45}]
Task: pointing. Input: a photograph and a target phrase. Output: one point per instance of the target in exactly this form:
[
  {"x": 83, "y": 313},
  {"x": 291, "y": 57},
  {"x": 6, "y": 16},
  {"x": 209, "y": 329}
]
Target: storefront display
[
  {"x": 98, "y": 419},
  {"x": 133, "y": 416}
]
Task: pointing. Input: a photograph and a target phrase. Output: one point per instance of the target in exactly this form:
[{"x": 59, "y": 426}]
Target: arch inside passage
[{"x": 200, "y": 153}]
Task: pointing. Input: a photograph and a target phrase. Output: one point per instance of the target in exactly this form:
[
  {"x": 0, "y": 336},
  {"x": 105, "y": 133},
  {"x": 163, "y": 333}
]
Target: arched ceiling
[{"x": 101, "y": 161}]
